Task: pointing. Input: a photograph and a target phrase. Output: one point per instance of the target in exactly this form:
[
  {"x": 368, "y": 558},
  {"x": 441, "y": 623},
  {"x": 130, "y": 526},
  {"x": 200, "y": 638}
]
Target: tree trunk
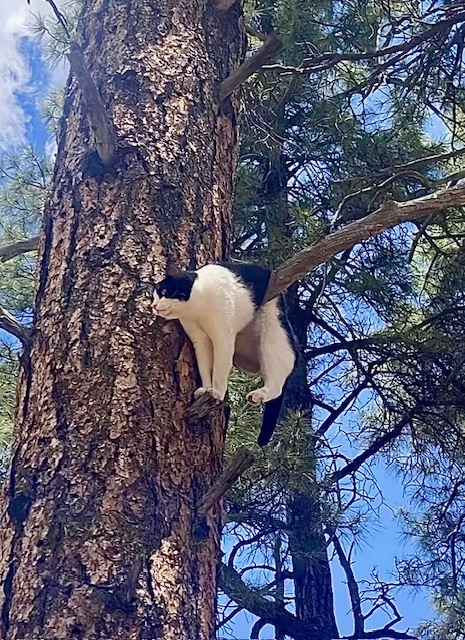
[
  {"x": 307, "y": 545},
  {"x": 99, "y": 533}
]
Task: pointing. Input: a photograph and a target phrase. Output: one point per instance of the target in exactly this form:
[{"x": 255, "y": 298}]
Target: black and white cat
[{"x": 220, "y": 309}]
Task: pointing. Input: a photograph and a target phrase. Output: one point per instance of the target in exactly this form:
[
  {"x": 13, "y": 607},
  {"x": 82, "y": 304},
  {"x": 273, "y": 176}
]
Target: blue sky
[{"x": 24, "y": 80}]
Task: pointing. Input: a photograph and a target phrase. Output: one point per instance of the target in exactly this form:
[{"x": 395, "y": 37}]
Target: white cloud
[{"x": 15, "y": 72}]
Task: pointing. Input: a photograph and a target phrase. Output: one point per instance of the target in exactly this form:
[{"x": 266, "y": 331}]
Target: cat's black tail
[{"x": 270, "y": 420}]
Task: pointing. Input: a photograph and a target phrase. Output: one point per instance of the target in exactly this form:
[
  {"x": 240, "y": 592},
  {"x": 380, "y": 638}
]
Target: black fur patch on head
[
  {"x": 254, "y": 277},
  {"x": 177, "y": 287}
]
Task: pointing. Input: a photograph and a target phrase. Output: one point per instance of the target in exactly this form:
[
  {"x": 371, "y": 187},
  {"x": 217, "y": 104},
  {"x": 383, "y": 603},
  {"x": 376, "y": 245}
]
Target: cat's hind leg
[{"x": 277, "y": 357}]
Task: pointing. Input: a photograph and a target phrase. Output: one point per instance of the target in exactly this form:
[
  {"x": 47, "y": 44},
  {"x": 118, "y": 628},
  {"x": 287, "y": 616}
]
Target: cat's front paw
[
  {"x": 259, "y": 396},
  {"x": 200, "y": 392},
  {"x": 215, "y": 393},
  {"x": 211, "y": 391}
]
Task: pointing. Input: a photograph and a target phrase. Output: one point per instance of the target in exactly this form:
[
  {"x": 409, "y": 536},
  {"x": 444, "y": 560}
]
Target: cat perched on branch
[{"x": 220, "y": 308}]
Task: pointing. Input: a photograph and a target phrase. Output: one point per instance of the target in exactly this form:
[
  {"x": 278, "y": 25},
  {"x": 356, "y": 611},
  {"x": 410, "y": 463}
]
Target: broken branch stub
[{"x": 103, "y": 131}]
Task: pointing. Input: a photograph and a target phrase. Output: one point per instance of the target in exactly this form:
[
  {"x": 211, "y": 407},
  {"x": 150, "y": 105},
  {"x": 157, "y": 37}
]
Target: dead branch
[
  {"x": 102, "y": 128},
  {"x": 201, "y": 408},
  {"x": 388, "y": 215},
  {"x": 271, "y": 47},
  {"x": 10, "y": 251},
  {"x": 11, "y": 325},
  {"x": 242, "y": 460}
]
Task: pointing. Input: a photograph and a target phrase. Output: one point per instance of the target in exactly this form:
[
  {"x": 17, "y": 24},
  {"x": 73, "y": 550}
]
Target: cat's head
[{"x": 172, "y": 293}]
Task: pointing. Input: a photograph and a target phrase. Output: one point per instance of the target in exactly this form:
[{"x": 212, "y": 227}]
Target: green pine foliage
[{"x": 320, "y": 150}]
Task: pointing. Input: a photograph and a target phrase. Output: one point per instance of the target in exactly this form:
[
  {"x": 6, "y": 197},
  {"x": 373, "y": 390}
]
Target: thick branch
[
  {"x": 102, "y": 128},
  {"x": 274, "y": 613},
  {"x": 10, "y": 251},
  {"x": 11, "y": 325},
  {"x": 388, "y": 215},
  {"x": 242, "y": 460},
  {"x": 271, "y": 47}
]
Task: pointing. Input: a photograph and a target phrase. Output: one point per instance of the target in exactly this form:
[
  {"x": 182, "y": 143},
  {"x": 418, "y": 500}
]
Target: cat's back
[
  {"x": 234, "y": 289},
  {"x": 254, "y": 277}
]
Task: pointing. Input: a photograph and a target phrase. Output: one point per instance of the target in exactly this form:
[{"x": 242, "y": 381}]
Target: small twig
[
  {"x": 437, "y": 157},
  {"x": 11, "y": 325},
  {"x": 102, "y": 128},
  {"x": 58, "y": 15},
  {"x": 10, "y": 251},
  {"x": 243, "y": 459},
  {"x": 375, "y": 189},
  {"x": 271, "y": 47}
]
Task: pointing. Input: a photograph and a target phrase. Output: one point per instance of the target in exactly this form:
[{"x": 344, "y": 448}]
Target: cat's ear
[{"x": 173, "y": 270}]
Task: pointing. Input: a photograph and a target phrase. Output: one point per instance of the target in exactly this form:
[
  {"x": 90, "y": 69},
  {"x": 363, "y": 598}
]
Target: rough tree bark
[{"x": 99, "y": 537}]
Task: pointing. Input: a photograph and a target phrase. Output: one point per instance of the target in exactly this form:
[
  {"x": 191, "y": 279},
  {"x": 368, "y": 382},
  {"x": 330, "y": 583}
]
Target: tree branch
[
  {"x": 10, "y": 251},
  {"x": 437, "y": 157},
  {"x": 250, "y": 516},
  {"x": 388, "y": 215},
  {"x": 271, "y": 47},
  {"x": 242, "y": 460},
  {"x": 374, "y": 447},
  {"x": 274, "y": 613},
  {"x": 382, "y": 634},
  {"x": 330, "y": 59},
  {"x": 201, "y": 407},
  {"x": 11, "y": 325},
  {"x": 102, "y": 128},
  {"x": 354, "y": 594},
  {"x": 59, "y": 16}
]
